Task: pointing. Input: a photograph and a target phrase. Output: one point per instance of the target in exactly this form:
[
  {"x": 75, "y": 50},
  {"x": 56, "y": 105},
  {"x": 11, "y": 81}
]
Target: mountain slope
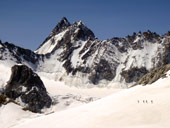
[{"x": 11, "y": 55}]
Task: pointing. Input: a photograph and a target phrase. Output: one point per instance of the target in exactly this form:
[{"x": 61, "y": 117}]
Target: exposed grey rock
[
  {"x": 102, "y": 70},
  {"x": 27, "y": 85},
  {"x": 134, "y": 74},
  {"x": 154, "y": 75}
]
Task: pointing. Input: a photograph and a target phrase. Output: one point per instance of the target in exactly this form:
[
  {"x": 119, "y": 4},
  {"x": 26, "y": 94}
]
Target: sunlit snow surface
[
  {"x": 49, "y": 45},
  {"x": 138, "y": 107},
  {"x": 64, "y": 97},
  {"x": 5, "y": 73}
]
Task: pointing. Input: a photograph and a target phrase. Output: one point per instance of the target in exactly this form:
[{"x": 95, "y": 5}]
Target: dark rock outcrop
[
  {"x": 27, "y": 85},
  {"x": 154, "y": 75},
  {"x": 5, "y": 100},
  {"x": 2, "y": 99},
  {"x": 134, "y": 74},
  {"x": 102, "y": 71}
]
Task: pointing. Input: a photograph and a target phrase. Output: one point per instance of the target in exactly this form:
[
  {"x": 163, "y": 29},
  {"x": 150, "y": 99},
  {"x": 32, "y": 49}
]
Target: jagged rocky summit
[
  {"x": 26, "y": 87},
  {"x": 77, "y": 57}
]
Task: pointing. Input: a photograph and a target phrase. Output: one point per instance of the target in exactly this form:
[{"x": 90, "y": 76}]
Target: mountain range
[{"x": 72, "y": 53}]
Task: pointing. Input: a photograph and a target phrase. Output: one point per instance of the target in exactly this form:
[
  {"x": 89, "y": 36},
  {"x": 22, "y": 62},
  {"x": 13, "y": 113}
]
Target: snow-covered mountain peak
[
  {"x": 70, "y": 33},
  {"x": 60, "y": 27},
  {"x": 64, "y": 19},
  {"x": 82, "y": 30},
  {"x": 63, "y": 24}
]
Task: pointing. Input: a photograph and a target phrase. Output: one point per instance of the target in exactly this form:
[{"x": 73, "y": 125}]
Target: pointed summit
[{"x": 64, "y": 23}]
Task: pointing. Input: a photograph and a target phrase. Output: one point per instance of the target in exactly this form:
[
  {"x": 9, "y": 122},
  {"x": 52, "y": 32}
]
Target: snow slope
[
  {"x": 138, "y": 107},
  {"x": 11, "y": 113},
  {"x": 5, "y": 72},
  {"x": 46, "y": 48},
  {"x": 60, "y": 88},
  {"x": 64, "y": 97}
]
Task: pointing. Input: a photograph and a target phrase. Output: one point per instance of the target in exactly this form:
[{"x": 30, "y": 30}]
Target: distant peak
[
  {"x": 64, "y": 18},
  {"x": 64, "y": 23}
]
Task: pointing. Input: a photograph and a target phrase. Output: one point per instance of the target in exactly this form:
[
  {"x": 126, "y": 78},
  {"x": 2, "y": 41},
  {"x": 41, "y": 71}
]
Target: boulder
[{"x": 27, "y": 86}]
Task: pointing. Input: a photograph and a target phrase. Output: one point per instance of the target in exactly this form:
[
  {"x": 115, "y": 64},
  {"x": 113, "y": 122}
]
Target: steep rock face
[{"x": 25, "y": 85}]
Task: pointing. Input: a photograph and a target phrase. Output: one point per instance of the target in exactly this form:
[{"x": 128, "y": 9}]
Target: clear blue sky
[{"x": 28, "y": 22}]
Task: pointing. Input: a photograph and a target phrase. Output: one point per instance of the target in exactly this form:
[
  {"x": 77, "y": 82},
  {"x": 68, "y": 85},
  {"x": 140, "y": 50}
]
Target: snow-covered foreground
[
  {"x": 64, "y": 97},
  {"x": 59, "y": 88},
  {"x": 67, "y": 97},
  {"x": 11, "y": 113},
  {"x": 138, "y": 107}
]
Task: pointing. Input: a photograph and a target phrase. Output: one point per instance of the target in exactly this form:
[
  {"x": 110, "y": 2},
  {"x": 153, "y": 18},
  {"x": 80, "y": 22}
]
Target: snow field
[{"x": 120, "y": 110}]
